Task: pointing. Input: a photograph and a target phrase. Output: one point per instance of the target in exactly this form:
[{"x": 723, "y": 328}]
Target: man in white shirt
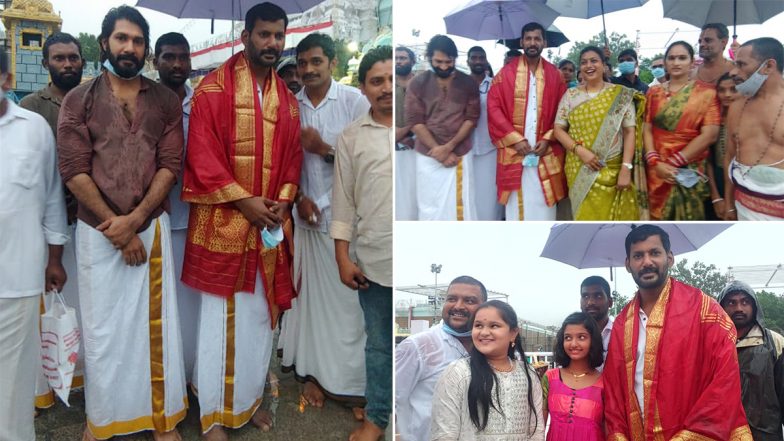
[
  {"x": 32, "y": 218},
  {"x": 421, "y": 358},
  {"x": 596, "y": 301},
  {"x": 323, "y": 336}
]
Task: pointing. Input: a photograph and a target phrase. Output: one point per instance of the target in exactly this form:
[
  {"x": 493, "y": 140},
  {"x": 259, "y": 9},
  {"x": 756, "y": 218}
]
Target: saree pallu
[
  {"x": 675, "y": 122},
  {"x": 597, "y": 122}
]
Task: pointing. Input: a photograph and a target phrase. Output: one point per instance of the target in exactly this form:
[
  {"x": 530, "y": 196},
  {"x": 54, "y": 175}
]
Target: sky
[
  {"x": 505, "y": 257},
  {"x": 655, "y": 31}
]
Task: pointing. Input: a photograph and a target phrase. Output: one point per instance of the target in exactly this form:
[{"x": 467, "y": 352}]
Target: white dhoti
[
  {"x": 324, "y": 331},
  {"x": 443, "y": 193},
  {"x": 233, "y": 356},
  {"x": 485, "y": 194},
  {"x": 134, "y": 375},
  {"x": 759, "y": 191},
  {"x": 405, "y": 185},
  {"x": 20, "y": 358},
  {"x": 534, "y": 205},
  {"x": 188, "y": 301}
]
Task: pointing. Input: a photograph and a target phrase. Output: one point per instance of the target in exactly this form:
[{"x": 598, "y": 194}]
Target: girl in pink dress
[{"x": 573, "y": 393}]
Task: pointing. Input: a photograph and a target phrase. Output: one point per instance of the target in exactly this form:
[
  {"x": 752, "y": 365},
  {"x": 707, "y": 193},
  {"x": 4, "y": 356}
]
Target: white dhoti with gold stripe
[
  {"x": 533, "y": 205},
  {"x": 134, "y": 375},
  {"x": 443, "y": 193},
  {"x": 233, "y": 356}
]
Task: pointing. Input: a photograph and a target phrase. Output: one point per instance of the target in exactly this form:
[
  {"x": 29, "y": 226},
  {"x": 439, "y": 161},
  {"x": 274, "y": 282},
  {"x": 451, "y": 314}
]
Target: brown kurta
[{"x": 95, "y": 137}]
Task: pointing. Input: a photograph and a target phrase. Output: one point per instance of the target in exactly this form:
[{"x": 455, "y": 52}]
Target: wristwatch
[
  {"x": 628, "y": 165},
  {"x": 329, "y": 158}
]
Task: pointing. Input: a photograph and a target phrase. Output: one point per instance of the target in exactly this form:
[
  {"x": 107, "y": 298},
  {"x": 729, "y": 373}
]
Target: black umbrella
[{"x": 553, "y": 35}]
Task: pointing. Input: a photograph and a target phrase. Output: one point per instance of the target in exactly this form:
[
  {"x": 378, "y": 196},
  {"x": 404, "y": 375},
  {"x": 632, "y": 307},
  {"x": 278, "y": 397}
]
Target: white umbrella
[
  {"x": 594, "y": 245},
  {"x": 494, "y": 19},
  {"x": 699, "y": 13},
  {"x": 592, "y": 8}
]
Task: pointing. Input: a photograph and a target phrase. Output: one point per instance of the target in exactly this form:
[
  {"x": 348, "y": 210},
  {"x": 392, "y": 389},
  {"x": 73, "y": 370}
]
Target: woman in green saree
[{"x": 596, "y": 124}]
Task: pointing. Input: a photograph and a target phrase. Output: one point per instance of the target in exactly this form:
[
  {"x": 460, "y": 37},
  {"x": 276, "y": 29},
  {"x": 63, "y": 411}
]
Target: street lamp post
[{"x": 435, "y": 269}]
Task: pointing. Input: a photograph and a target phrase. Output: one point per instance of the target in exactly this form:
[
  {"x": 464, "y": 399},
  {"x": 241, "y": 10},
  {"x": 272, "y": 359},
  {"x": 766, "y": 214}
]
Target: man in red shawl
[
  {"x": 521, "y": 107},
  {"x": 242, "y": 169},
  {"x": 672, "y": 370}
]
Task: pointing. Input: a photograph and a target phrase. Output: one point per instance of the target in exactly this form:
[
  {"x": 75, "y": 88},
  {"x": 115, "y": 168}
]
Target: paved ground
[{"x": 332, "y": 422}]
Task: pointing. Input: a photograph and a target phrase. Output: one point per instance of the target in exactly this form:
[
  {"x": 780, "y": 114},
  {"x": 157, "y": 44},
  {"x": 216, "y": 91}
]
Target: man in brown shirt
[
  {"x": 120, "y": 143},
  {"x": 442, "y": 108}
]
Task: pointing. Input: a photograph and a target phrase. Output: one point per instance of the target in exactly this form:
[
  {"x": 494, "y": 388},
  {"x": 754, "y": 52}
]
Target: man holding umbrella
[
  {"x": 521, "y": 107},
  {"x": 694, "y": 391}
]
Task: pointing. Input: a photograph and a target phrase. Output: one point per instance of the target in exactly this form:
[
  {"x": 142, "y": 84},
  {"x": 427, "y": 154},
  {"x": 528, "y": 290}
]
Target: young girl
[
  {"x": 573, "y": 393},
  {"x": 725, "y": 91},
  {"x": 494, "y": 394}
]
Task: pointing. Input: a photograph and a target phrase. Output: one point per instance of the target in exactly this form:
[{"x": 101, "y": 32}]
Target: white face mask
[{"x": 752, "y": 85}]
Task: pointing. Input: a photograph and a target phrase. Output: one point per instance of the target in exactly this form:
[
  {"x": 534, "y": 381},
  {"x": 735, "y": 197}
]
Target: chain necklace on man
[{"x": 770, "y": 136}]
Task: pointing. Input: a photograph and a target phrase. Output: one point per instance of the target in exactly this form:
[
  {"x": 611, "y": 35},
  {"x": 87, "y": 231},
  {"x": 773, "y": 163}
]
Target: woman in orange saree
[{"x": 681, "y": 122}]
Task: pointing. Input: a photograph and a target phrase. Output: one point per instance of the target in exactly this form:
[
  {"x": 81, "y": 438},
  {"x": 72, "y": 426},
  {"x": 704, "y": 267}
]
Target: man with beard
[
  {"x": 32, "y": 225},
  {"x": 755, "y": 139},
  {"x": 360, "y": 195},
  {"x": 241, "y": 176},
  {"x": 120, "y": 145},
  {"x": 173, "y": 62},
  {"x": 671, "y": 370},
  {"x": 421, "y": 358},
  {"x": 521, "y": 107},
  {"x": 287, "y": 70},
  {"x": 405, "y": 157},
  {"x": 62, "y": 57},
  {"x": 442, "y": 108},
  {"x": 712, "y": 42},
  {"x": 759, "y": 357},
  {"x": 324, "y": 308},
  {"x": 596, "y": 301},
  {"x": 480, "y": 161}
]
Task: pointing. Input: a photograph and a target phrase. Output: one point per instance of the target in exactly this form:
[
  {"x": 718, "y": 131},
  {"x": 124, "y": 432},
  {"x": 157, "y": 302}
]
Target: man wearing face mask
[
  {"x": 405, "y": 156},
  {"x": 659, "y": 74},
  {"x": 520, "y": 115},
  {"x": 755, "y": 141},
  {"x": 421, "y": 358},
  {"x": 442, "y": 108},
  {"x": 627, "y": 65},
  {"x": 126, "y": 276}
]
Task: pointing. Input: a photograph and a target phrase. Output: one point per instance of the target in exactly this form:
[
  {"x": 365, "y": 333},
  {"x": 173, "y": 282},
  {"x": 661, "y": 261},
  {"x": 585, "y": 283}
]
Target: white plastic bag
[{"x": 60, "y": 338}]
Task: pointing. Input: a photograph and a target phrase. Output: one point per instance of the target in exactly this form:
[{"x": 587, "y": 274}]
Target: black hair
[
  {"x": 60, "y": 38},
  {"x": 597, "y": 280},
  {"x": 564, "y": 62},
  {"x": 721, "y": 29},
  {"x": 4, "y": 68},
  {"x": 171, "y": 39},
  {"x": 123, "y": 12},
  {"x": 595, "y": 353},
  {"x": 596, "y": 50},
  {"x": 381, "y": 53},
  {"x": 626, "y": 52},
  {"x": 265, "y": 12},
  {"x": 643, "y": 232},
  {"x": 476, "y": 49},
  {"x": 441, "y": 43},
  {"x": 766, "y": 48},
  {"x": 483, "y": 377},
  {"x": 411, "y": 55},
  {"x": 688, "y": 47},
  {"x": 468, "y": 280},
  {"x": 725, "y": 76},
  {"x": 513, "y": 53},
  {"x": 532, "y": 26},
  {"x": 314, "y": 40}
]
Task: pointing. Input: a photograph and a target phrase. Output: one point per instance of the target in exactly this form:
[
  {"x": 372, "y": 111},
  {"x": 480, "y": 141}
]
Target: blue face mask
[
  {"x": 454, "y": 333},
  {"x": 626, "y": 67},
  {"x": 658, "y": 72},
  {"x": 271, "y": 238},
  {"x": 109, "y": 67},
  {"x": 572, "y": 83},
  {"x": 752, "y": 85},
  {"x": 689, "y": 178},
  {"x": 530, "y": 160}
]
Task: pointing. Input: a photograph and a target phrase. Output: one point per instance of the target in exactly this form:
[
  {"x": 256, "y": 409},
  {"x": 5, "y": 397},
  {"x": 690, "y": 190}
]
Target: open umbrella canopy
[
  {"x": 553, "y": 36},
  {"x": 494, "y": 19},
  {"x": 737, "y": 12},
  {"x": 593, "y": 245},
  {"x": 592, "y": 8},
  {"x": 219, "y": 9}
]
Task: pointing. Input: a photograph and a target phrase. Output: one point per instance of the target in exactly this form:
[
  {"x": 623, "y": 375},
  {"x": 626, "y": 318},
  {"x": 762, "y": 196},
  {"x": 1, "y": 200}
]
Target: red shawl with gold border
[
  {"x": 691, "y": 380},
  {"x": 238, "y": 148},
  {"x": 506, "y": 109}
]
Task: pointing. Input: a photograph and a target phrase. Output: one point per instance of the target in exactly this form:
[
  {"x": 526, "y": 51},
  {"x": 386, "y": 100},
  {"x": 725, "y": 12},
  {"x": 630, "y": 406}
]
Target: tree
[
  {"x": 89, "y": 43},
  {"x": 708, "y": 278},
  {"x": 619, "y": 301},
  {"x": 772, "y": 307},
  {"x": 618, "y": 42}
]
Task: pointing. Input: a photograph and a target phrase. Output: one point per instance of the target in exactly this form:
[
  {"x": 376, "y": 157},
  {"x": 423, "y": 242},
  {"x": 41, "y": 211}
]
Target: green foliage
[
  {"x": 618, "y": 42},
  {"x": 708, "y": 278},
  {"x": 772, "y": 306},
  {"x": 343, "y": 55},
  {"x": 619, "y": 301},
  {"x": 90, "y": 49}
]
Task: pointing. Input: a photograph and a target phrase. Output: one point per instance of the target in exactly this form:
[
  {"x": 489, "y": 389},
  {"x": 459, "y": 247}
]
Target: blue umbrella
[
  {"x": 592, "y": 8},
  {"x": 494, "y": 19}
]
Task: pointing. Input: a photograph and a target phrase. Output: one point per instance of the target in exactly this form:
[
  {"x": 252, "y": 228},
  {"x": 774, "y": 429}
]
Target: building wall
[{"x": 29, "y": 74}]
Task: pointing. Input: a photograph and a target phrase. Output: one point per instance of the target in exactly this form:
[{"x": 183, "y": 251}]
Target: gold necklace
[
  {"x": 669, "y": 92},
  {"x": 509, "y": 369},
  {"x": 578, "y": 375}
]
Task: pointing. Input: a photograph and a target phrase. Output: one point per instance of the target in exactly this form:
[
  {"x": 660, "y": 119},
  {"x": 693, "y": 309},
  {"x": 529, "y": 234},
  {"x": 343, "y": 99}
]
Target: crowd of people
[
  {"x": 673, "y": 364},
  {"x": 187, "y": 222},
  {"x": 539, "y": 142}
]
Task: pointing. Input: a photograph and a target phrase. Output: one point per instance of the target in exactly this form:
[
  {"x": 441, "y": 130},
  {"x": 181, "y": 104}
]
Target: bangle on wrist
[
  {"x": 728, "y": 210},
  {"x": 628, "y": 165},
  {"x": 717, "y": 200}
]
